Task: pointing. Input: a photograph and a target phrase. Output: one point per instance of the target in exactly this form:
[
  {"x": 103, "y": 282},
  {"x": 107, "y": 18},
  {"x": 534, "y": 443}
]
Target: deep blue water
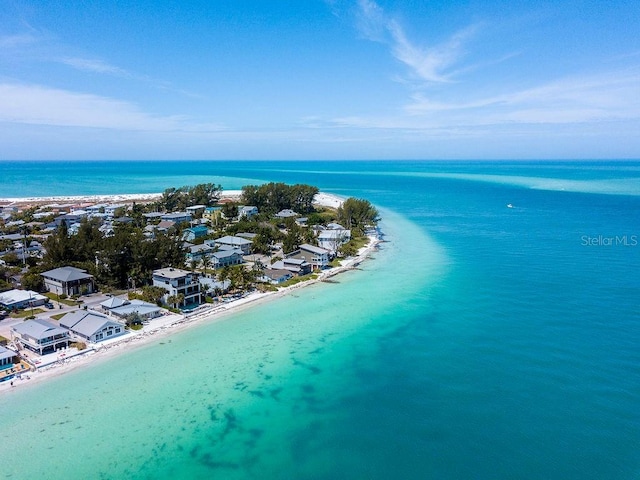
[{"x": 517, "y": 357}]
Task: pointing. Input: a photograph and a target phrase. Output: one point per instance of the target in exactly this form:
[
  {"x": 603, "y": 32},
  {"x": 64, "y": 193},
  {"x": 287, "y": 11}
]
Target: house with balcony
[
  {"x": 68, "y": 281},
  {"x": 178, "y": 282},
  {"x": 297, "y": 266},
  {"x": 317, "y": 257},
  {"x": 10, "y": 364},
  {"x": 226, "y": 258},
  {"x": 212, "y": 214},
  {"x": 40, "y": 336}
]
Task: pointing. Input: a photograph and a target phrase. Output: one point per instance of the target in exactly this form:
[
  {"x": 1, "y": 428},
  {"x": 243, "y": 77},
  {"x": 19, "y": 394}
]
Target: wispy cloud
[
  {"x": 609, "y": 96},
  {"x": 18, "y": 40},
  {"x": 96, "y": 66},
  {"x": 40, "y": 105},
  {"x": 432, "y": 64}
]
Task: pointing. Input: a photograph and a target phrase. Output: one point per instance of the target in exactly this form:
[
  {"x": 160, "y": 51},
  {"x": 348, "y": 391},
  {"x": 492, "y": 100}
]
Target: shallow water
[{"x": 481, "y": 342}]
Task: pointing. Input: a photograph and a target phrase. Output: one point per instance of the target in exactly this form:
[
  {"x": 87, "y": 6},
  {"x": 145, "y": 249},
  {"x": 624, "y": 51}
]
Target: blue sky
[{"x": 319, "y": 79}]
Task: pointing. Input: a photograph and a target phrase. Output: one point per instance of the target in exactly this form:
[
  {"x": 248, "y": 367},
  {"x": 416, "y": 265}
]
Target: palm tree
[{"x": 206, "y": 263}]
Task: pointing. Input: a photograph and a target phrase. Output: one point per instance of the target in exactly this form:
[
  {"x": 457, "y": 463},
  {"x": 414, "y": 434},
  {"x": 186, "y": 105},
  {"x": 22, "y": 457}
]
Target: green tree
[
  {"x": 33, "y": 281},
  {"x": 357, "y": 214}
]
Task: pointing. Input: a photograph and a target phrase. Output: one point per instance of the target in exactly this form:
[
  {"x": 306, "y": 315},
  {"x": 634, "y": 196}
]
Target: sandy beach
[{"x": 165, "y": 326}]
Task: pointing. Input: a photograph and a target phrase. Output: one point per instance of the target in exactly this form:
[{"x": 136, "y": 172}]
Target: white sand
[
  {"x": 325, "y": 199},
  {"x": 163, "y": 326}
]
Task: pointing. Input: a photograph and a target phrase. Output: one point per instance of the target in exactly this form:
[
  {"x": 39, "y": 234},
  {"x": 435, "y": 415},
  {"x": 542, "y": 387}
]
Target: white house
[
  {"x": 317, "y": 257},
  {"x": 333, "y": 239},
  {"x": 92, "y": 326},
  {"x": 286, "y": 213},
  {"x": 224, "y": 258},
  {"x": 145, "y": 310},
  {"x": 16, "y": 299},
  {"x": 178, "y": 282},
  {"x": 40, "y": 336},
  {"x": 230, "y": 241},
  {"x": 247, "y": 211}
]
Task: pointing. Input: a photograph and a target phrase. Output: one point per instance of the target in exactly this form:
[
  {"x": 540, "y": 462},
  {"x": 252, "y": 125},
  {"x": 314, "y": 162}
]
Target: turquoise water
[{"x": 482, "y": 342}]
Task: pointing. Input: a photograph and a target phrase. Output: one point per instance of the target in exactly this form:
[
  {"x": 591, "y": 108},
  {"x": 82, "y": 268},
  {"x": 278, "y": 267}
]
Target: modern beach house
[{"x": 178, "y": 282}]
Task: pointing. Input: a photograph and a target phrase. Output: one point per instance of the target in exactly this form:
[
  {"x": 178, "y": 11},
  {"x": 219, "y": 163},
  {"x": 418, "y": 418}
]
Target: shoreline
[
  {"x": 321, "y": 198},
  {"x": 206, "y": 313}
]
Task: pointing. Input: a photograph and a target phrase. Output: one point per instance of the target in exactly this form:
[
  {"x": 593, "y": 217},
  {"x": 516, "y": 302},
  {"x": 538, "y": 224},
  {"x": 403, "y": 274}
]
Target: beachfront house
[
  {"x": 144, "y": 310},
  {"x": 7, "y": 358},
  {"x": 91, "y": 326},
  {"x": 276, "y": 276},
  {"x": 40, "y": 336},
  {"x": 17, "y": 299},
  {"x": 10, "y": 364},
  {"x": 113, "y": 302},
  {"x": 183, "y": 288},
  {"x": 68, "y": 281},
  {"x": 297, "y": 266},
  {"x": 317, "y": 257},
  {"x": 333, "y": 239}
]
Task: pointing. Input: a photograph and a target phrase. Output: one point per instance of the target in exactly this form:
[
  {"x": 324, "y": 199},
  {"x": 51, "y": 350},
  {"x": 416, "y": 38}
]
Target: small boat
[{"x": 509, "y": 205}]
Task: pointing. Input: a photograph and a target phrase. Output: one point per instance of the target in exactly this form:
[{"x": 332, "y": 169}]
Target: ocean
[{"x": 481, "y": 341}]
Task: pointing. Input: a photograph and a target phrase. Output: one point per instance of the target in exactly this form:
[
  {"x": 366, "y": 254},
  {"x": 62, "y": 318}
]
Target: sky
[{"x": 319, "y": 79}]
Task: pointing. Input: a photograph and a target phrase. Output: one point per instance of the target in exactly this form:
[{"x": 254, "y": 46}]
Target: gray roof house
[
  {"x": 40, "y": 336},
  {"x": 316, "y": 256},
  {"x": 276, "y": 276},
  {"x": 233, "y": 242},
  {"x": 92, "y": 326},
  {"x": 145, "y": 310},
  {"x": 224, "y": 258},
  {"x": 21, "y": 299},
  {"x": 297, "y": 266},
  {"x": 68, "y": 281},
  {"x": 178, "y": 282},
  {"x": 113, "y": 302},
  {"x": 286, "y": 213}
]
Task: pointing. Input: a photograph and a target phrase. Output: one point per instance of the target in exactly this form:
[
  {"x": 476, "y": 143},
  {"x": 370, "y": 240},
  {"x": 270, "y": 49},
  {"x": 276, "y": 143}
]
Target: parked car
[{"x": 49, "y": 305}]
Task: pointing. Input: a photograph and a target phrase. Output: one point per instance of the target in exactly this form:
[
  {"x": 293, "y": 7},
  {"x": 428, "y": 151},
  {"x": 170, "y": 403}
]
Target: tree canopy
[
  {"x": 272, "y": 197},
  {"x": 174, "y": 199},
  {"x": 357, "y": 214}
]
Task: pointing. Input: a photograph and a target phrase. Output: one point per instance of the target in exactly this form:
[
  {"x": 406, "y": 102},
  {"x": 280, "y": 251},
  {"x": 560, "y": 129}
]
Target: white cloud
[
  {"x": 97, "y": 66},
  {"x": 610, "y": 96},
  {"x": 12, "y": 41},
  {"x": 432, "y": 64},
  {"x": 39, "y": 105}
]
